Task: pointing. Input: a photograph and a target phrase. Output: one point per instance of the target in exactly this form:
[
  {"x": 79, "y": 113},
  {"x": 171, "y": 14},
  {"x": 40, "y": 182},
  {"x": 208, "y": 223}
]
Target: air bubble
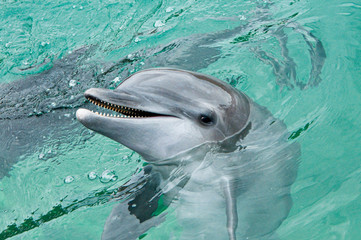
[
  {"x": 169, "y": 9},
  {"x": 108, "y": 176},
  {"x": 92, "y": 175},
  {"x": 158, "y": 23},
  {"x": 117, "y": 79},
  {"x": 68, "y": 179},
  {"x": 72, "y": 83},
  {"x": 137, "y": 39}
]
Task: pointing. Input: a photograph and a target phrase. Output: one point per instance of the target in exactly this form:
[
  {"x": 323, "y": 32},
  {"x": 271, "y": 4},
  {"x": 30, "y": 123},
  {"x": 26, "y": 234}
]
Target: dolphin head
[{"x": 160, "y": 113}]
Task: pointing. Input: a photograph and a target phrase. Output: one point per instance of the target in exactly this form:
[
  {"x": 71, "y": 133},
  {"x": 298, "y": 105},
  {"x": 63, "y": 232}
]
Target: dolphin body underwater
[{"x": 222, "y": 161}]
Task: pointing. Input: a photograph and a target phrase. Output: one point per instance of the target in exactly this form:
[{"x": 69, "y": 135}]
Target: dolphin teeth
[{"x": 125, "y": 112}]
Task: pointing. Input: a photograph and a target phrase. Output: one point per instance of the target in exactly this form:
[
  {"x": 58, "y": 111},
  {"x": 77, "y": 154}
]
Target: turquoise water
[{"x": 48, "y": 194}]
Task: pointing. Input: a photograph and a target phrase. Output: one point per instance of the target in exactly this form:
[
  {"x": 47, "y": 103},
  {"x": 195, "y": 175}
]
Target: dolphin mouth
[{"x": 120, "y": 110}]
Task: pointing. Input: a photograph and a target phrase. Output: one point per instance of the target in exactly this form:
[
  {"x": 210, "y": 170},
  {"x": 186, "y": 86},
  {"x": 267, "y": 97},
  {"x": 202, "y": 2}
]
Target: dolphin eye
[{"x": 206, "y": 120}]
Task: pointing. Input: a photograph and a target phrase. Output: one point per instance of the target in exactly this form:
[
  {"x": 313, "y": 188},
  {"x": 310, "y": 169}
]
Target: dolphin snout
[
  {"x": 81, "y": 115},
  {"x": 90, "y": 92}
]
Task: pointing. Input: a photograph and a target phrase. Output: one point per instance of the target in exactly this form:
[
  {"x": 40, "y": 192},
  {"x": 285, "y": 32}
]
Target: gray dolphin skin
[{"x": 221, "y": 161}]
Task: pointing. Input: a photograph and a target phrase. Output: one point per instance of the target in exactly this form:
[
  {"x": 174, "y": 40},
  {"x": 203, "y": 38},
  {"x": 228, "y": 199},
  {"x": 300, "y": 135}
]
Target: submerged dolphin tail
[{"x": 285, "y": 69}]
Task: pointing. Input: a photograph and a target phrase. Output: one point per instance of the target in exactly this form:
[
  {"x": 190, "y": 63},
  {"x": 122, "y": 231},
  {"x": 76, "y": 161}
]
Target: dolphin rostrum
[{"x": 223, "y": 162}]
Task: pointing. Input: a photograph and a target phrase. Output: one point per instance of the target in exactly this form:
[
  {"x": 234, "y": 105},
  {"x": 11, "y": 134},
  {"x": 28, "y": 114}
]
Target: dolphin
[
  {"x": 47, "y": 96},
  {"x": 222, "y": 161}
]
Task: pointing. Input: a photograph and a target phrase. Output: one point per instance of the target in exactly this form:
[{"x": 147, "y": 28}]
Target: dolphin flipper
[
  {"x": 231, "y": 206},
  {"x": 132, "y": 218}
]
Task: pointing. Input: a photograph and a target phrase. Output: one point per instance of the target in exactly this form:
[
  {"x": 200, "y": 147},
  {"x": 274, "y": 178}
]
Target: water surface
[{"x": 51, "y": 51}]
